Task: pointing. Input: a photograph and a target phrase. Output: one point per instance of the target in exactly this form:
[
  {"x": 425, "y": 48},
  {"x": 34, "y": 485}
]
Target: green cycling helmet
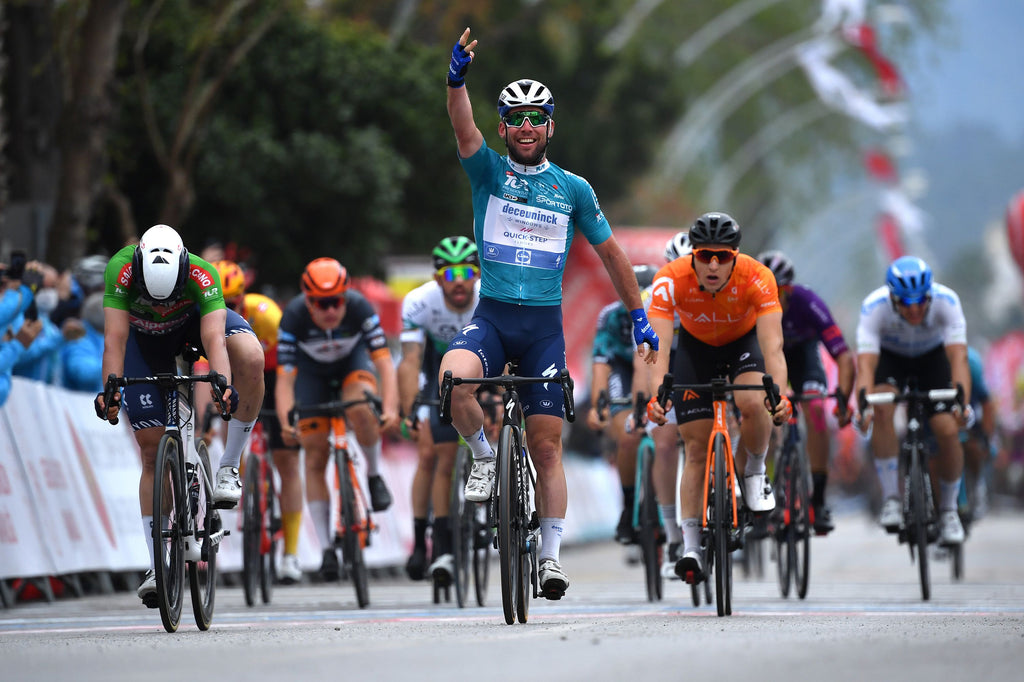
[{"x": 455, "y": 251}]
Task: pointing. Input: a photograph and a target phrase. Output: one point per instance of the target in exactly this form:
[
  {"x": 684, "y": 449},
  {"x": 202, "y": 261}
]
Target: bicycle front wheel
[
  {"x": 781, "y": 535},
  {"x": 352, "y": 529},
  {"x": 508, "y": 542},
  {"x": 721, "y": 526},
  {"x": 800, "y": 528},
  {"x": 918, "y": 532},
  {"x": 168, "y": 542},
  {"x": 650, "y": 526},
  {"x": 252, "y": 521},
  {"x": 202, "y": 574}
]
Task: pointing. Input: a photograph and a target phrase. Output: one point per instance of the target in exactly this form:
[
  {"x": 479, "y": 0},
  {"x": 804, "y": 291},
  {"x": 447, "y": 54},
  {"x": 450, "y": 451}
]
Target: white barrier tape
[{"x": 69, "y": 494}]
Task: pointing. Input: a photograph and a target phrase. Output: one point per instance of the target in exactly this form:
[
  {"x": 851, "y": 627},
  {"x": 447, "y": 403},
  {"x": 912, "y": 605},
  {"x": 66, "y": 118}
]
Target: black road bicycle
[
  {"x": 186, "y": 527},
  {"x": 920, "y": 520},
  {"x": 511, "y": 504}
]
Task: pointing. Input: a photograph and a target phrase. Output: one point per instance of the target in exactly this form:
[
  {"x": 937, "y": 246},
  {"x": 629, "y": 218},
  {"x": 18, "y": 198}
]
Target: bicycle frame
[
  {"x": 519, "y": 535},
  {"x": 919, "y": 511},
  {"x": 188, "y": 542}
]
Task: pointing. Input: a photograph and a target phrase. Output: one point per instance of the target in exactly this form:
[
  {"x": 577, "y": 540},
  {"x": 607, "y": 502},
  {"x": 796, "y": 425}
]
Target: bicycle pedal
[{"x": 150, "y": 601}]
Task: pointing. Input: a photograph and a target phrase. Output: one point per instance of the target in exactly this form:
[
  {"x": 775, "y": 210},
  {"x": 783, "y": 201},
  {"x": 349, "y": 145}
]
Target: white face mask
[{"x": 46, "y": 300}]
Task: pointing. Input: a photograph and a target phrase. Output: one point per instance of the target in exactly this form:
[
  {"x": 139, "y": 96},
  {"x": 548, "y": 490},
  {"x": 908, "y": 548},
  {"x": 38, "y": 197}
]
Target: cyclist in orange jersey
[
  {"x": 264, "y": 316},
  {"x": 730, "y": 320}
]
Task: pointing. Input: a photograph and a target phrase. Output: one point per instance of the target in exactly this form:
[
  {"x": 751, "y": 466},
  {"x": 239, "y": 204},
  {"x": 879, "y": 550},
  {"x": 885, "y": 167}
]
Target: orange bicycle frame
[
  {"x": 339, "y": 431},
  {"x": 720, "y": 427}
]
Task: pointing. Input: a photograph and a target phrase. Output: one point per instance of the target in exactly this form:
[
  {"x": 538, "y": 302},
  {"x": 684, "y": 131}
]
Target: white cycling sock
[
  {"x": 551, "y": 530},
  {"x": 691, "y": 535},
  {"x": 949, "y": 492},
  {"x": 477, "y": 442},
  {"x": 673, "y": 533},
  {"x": 147, "y": 530},
  {"x": 888, "y": 477},
  {"x": 372, "y": 453},
  {"x": 755, "y": 463},
  {"x": 238, "y": 436},
  {"x": 320, "y": 513}
]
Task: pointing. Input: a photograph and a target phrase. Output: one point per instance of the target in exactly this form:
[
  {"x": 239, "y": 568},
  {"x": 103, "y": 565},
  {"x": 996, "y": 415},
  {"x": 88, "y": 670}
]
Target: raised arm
[{"x": 460, "y": 110}]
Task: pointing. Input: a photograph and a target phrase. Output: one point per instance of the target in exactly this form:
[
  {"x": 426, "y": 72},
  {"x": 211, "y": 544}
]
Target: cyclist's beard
[{"x": 533, "y": 159}]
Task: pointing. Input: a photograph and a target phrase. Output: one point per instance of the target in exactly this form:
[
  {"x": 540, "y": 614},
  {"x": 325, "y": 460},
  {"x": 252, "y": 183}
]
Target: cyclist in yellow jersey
[{"x": 264, "y": 316}]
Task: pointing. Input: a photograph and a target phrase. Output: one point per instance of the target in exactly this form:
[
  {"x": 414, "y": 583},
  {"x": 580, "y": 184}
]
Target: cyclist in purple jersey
[{"x": 806, "y": 321}]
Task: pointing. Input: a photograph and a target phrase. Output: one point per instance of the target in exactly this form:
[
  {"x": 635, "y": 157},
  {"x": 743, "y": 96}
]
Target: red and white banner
[{"x": 69, "y": 494}]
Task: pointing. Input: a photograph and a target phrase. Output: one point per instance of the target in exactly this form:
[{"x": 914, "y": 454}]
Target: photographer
[{"x": 17, "y": 330}]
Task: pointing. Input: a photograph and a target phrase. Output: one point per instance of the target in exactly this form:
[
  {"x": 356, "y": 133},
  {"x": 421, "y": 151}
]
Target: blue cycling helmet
[{"x": 909, "y": 280}]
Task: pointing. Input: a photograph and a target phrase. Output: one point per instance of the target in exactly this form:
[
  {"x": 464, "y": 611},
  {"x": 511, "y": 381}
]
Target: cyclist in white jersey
[
  {"x": 914, "y": 327},
  {"x": 526, "y": 211},
  {"x": 432, "y": 315}
]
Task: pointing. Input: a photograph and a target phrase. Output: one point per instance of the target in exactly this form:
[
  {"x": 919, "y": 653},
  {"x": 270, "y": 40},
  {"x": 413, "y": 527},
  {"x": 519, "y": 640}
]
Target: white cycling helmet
[
  {"x": 160, "y": 264},
  {"x": 525, "y": 93},
  {"x": 678, "y": 246}
]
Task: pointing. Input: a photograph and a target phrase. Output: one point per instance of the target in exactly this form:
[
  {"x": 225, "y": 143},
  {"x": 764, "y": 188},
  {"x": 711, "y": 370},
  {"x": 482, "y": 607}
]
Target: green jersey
[{"x": 202, "y": 295}]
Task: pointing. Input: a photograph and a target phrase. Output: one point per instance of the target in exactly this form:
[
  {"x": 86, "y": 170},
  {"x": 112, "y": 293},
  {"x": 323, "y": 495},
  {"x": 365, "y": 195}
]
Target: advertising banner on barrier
[
  {"x": 23, "y": 547},
  {"x": 110, "y": 467}
]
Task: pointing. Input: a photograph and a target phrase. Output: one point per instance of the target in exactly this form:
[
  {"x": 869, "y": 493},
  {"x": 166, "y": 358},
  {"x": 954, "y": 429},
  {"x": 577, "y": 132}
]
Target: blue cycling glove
[
  {"x": 458, "y": 66},
  {"x": 642, "y": 331}
]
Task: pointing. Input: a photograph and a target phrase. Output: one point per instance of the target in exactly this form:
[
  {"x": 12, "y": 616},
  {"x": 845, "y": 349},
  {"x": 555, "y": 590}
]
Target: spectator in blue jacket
[
  {"x": 16, "y": 333},
  {"x": 82, "y": 355}
]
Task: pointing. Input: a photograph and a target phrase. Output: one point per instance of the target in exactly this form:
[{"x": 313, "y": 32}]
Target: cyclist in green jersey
[{"x": 158, "y": 299}]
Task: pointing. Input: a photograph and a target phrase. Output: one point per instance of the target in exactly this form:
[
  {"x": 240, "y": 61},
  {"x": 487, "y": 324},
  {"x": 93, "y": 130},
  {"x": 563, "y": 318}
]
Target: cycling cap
[
  {"x": 779, "y": 264},
  {"x": 89, "y": 272},
  {"x": 909, "y": 280},
  {"x": 232, "y": 278},
  {"x": 160, "y": 264},
  {"x": 645, "y": 275},
  {"x": 325, "y": 277},
  {"x": 677, "y": 246},
  {"x": 525, "y": 93},
  {"x": 455, "y": 251},
  {"x": 715, "y": 228}
]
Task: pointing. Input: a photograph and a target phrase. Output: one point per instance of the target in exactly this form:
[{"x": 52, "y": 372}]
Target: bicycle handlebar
[
  {"x": 217, "y": 382},
  {"x": 339, "y": 406},
  {"x": 507, "y": 382},
  {"x": 934, "y": 395},
  {"x": 719, "y": 386}
]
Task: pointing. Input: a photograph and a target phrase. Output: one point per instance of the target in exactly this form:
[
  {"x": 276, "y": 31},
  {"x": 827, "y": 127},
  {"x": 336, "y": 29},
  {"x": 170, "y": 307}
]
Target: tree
[{"x": 88, "y": 115}]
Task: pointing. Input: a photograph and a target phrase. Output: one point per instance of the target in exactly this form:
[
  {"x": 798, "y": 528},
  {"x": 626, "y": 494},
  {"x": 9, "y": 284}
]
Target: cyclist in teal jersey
[
  {"x": 526, "y": 211},
  {"x": 158, "y": 299}
]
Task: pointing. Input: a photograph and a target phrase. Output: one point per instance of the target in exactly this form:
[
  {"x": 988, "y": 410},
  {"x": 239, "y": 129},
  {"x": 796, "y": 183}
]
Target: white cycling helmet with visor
[
  {"x": 160, "y": 264},
  {"x": 525, "y": 93}
]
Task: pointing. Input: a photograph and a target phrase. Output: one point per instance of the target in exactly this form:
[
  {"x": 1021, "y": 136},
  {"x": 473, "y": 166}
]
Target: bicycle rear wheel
[
  {"x": 721, "y": 527},
  {"x": 252, "y": 521},
  {"x": 918, "y": 532},
  {"x": 508, "y": 542},
  {"x": 523, "y": 517},
  {"x": 271, "y": 524},
  {"x": 650, "y": 526},
  {"x": 352, "y": 529},
  {"x": 168, "y": 543},
  {"x": 482, "y": 542},
  {"x": 202, "y": 574},
  {"x": 460, "y": 516}
]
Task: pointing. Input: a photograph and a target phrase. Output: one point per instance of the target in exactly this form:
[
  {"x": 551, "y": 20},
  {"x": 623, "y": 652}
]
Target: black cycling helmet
[
  {"x": 780, "y": 265},
  {"x": 645, "y": 275},
  {"x": 455, "y": 251},
  {"x": 715, "y": 228}
]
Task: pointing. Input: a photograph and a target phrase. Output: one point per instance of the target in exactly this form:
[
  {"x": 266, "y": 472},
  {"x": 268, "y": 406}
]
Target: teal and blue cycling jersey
[
  {"x": 613, "y": 341},
  {"x": 524, "y": 219},
  {"x": 979, "y": 389}
]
